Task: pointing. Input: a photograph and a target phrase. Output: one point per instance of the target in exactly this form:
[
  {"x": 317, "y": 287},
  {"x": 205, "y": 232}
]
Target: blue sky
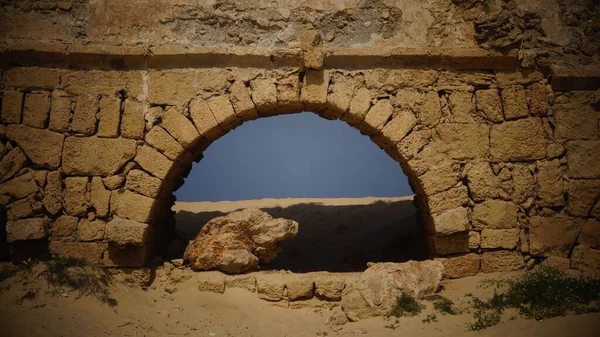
[{"x": 293, "y": 156}]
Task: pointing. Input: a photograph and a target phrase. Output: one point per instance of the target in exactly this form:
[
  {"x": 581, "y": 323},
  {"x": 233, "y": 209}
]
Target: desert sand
[{"x": 151, "y": 311}]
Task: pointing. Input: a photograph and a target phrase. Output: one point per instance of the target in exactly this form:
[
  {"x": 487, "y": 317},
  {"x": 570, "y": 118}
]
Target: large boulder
[
  {"x": 376, "y": 290},
  {"x": 239, "y": 241}
]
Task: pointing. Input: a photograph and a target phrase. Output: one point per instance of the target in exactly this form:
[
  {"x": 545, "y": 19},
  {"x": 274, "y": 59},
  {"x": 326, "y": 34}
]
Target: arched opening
[{"x": 352, "y": 201}]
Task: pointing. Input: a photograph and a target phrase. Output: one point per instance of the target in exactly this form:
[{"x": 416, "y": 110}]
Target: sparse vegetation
[
  {"x": 540, "y": 294},
  {"x": 442, "y": 304},
  {"x": 430, "y": 319},
  {"x": 392, "y": 326},
  {"x": 406, "y": 305}
]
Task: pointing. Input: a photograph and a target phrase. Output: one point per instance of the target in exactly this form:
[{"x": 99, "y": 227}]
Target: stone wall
[{"x": 502, "y": 153}]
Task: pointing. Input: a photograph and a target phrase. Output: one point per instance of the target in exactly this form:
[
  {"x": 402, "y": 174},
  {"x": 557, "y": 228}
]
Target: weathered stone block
[
  {"x": 330, "y": 286},
  {"x": 500, "y": 238},
  {"x": 450, "y": 221},
  {"x": 576, "y": 121},
  {"x": 561, "y": 263},
  {"x": 223, "y": 111},
  {"x": 401, "y": 124},
  {"x": 359, "y": 106},
  {"x": 60, "y": 112},
  {"x": 80, "y": 155},
  {"x": 377, "y": 116},
  {"x": 110, "y": 115},
  {"x": 129, "y": 256},
  {"x": 312, "y": 48},
  {"x": 452, "y": 198},
  {"x": 241, "y": 101},
  {"x": 523, "y": 139},
  {"x": 84, "y": 117},
  {"x": 462, "y": 108},
  {"x": 414, "y": 142},
  {"x": 11, "y": 107},
  {"x": 90, "y": 230},
  {"x": 461, "y": 266},
  {"x": 162, "y": 140},
  {"x": 65, "y": 225},
  {"x": 43, "y": 147},
  {"x": 288, "y": 94},
  {"x": 314, "y": 90},
  {"x": 171, "y": 87},
  {"x": 129, "y": 205},
  {"x": 495, "y": 214},
  {"x": 26, "y": 229},
  {"x": 53, "y": 193},
  {"x": 340, "y": 94},
  {"x": 32, "y": 77},
  {"x": 264, "y": 95},
  {"x": 465, "y": 141},
  {"x": 89, "y": 251},
  {"x": 483, "y": 184},
  {"x": 104, "y": 82},
  {"x": 583, "y": 158},
  {"x": 123, "y": 232},
  {"x": 550, "y": 183},
  {"x": 19, "y": 187},
  {"x": 11, "y": 163},
  {"x": 524, "y": 186},
  {"x": 514, "y": 102},
  {"x": 590, "y": 234},
  {"x": 553, "y": 236},
  {"x": 585, "y": 259},
  {"x": 246, "y": 281},
  {"x": 205, "y": 121},
  {"x": 114, "y": 182},
  {"x": 439, "y": 178},
  {"x": 538, "y": 99},
  {"x": 501, "y": 261},
  {"x": 582, "y": 194},
  {"x": 153, "y": 161},
  {"x": 299, "y": 287},
  {"x": 179, "y": 127},
  {"x": 211, "y": 281},
  {"x": 36, "y": 109},
  {"x": 450, "y": 244},
  {"x": 488, "y": 104},
  {"x": 24, "y": 208},
  {"x": 143, "y": 183},
  {"x": 99, "y": 197},
  {"x": 270, "y": 287},
  {"x": 474, "y": 240},
  {"x": 76, "y": 196},
  {"x": 132, "y": 121}
]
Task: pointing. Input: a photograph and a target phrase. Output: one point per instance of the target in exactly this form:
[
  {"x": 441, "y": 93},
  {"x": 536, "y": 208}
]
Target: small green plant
[
  {"x": 444, "y": 305},
  {"x": 430, "y": 319},
  {"x": 485, "y": 318},
  {"x": 29, "y": 295},
  {"x": 406, "y": 305},
  {"x": 392, "y": 326}
]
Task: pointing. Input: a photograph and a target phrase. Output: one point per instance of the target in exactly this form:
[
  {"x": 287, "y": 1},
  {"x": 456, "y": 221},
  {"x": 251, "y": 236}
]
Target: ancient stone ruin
[{"x": 490, "y": 107}]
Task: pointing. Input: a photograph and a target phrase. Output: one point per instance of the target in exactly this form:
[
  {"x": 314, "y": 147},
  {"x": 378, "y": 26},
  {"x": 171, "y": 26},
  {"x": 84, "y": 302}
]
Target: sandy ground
[{"x": 335, "y": 235}]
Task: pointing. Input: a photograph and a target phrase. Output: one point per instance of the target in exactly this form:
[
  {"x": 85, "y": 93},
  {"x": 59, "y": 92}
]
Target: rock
[
  {"x": 211, "y": 281},
  {"x": 247, "y": 282},
  {"x": 80, "y": 156},
  {"x": 376, "y": 290},
  {"x": 590, "y": 234},
  {"x": 330, "y": 286},
  {"x": 64, "y": 226},
  {"x": 336, "y": 317},
  {"x": 177, "y": 262},
  {"x": 26, "y": 229},
  {"x": 461, "y": 266},
  {"x": 11, "y": 164},
  {"x": 43, "y": 147},
  {"x": 123, "y": 232},
  {"x": 495, "y": 214},
  {"x": 586, "y": 259},
  {"x": 270, "y": 286},
  {"x": 522, "y": 139},
  {"x": 553, "y": 236},
  {"x": 501, "y": 261},
  {"x": 299, "y": 286},
  {"x": 237, "y": 242}
]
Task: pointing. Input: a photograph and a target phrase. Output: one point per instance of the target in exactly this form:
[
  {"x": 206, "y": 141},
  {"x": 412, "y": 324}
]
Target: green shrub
[
  {"x": 406, "y": 305},
  {"x": 485, "y": 318}
]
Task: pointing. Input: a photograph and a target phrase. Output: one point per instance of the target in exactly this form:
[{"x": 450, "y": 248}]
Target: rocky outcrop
[
  {"x": 376, "y": 290},
  {"x": 239, "y": 241}
]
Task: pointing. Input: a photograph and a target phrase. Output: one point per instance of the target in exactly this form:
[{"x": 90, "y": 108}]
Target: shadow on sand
[{"x": 337, "y": 238}]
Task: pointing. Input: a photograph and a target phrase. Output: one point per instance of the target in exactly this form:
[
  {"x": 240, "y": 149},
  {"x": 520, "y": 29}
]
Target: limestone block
[
  {"x": 524, "y": 185},
  {"x": 53, "y": 193},
  {"x": 590, "y": 234},
  {"x": 413, "y": 143},
  {"x": 223, "y": 111},
  {"x": 462, "y": 108},
  {"x": 110, "y": 115},
  {"x": 32, "y": 77},
  {"x": 90, "y": 230},
  {"x": 26, "y": 229},
  {"x": 585, "y": 259},
  {"x": 241, "y": 101},
  {"x": 244, "y": 281},
  {"x": 429, "y": 111},
  {"x": 65, "y": 225},
  {"x": 538, "y": 99},
  {"x": 129, "y": 205},
  {"x": 500, "y": 238},
  {"x": 582, "y": 194},
  {"x": 377, "y": 116},
  {"x": 170, "y": 86},
  {"x": 314, "y": 90},
  {"x": 450, "y": 244},
  {"x": 129, "y": 256},
  {"x": 11, "y": 107},
  {"x": 288, "y": 94},
  {"x": 514, "y": 102},
  {"x": 501, "y": 261},
  {"x": 24, "y": 208},
  {"x": 114, "y": 182},
  {"x": 450, "y": 221},
  {"x": 88, "y": 251},
  {"x": 132, "y": 276},
  {"x": 550, "y": 183},
  {"x": 132, "y": 121},
  {"x": 153, "y": 161},
  {"x": 439, "y": 178},
  {"x": 561, "y": 263},
  {"x": 19, "y": 187},
  {"x": 60, "y": 112},
  {"x": 474, "y": 240},
  {"x": 143, "y": 183},
  {"x": 461, "y": 266},
  {"x": 76, "y": 197},
  {"x": 103, "y": 82},
  {"x": 99, "y": 197},
  {"x": 36, "y": 109},
  {"x": 330, "y": 286},
  {"x": 80, "y": 155},
  {"x": 42, "y": 147},
  {"x": 264, "y": 95},
  {"x": 452, "y": 198},
  {"x": 523, "y": 139},
  {"x": 204, "y": 120},
  {"x": 11, "y": 163},
  {"x": 84, "y": 117},
  {"x": 488, "y": 104},
  {"x": 213, "y": 79},
  {"x": 270, "y": 286},
  {"x": 164, "y": 142},
  {"x": 179, "y": 127},
  {"x": 359, "y": 106},
  {"x": 340, "y": 94},
  {"x": 576, "y": 121},
  {"x": 399, "y": 126},
  {"x": 211, "y": 281},
  {"x": 312, "y": 48},
  {"x": 483, "y": 184},
  {"x": 553, "y": 236},
  {"x": 583, "y": 158},
  {"x": 495, "y": 214},
  {"x": 123, "y": 232},
  {"x": 465, "y": 141},
  {"x": 299, "y": 286}
]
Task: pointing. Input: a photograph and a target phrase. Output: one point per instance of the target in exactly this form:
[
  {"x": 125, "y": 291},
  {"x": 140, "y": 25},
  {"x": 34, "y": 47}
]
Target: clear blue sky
[{"x": 293, "y": 156}]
